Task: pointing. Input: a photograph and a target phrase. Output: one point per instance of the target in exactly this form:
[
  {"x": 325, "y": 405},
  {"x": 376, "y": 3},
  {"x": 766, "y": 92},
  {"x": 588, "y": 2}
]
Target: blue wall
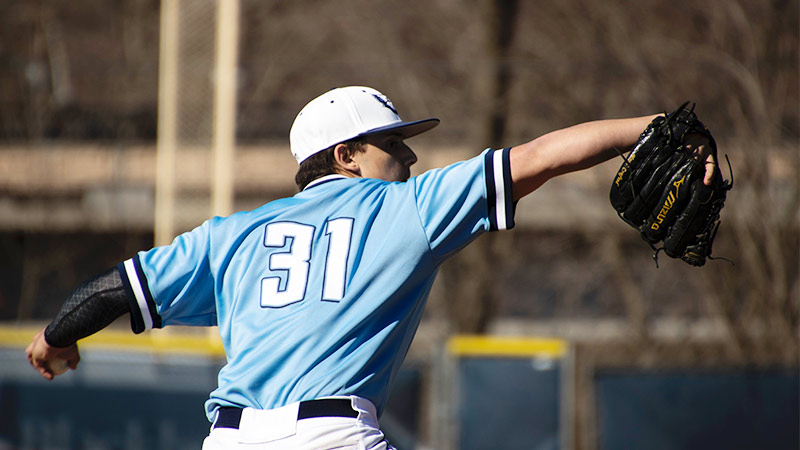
[{"x": 699, "y": 410}]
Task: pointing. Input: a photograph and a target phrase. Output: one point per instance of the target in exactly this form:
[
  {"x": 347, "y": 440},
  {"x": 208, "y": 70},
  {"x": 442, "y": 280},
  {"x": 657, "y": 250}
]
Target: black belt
[{"x": 229, "y": 417}]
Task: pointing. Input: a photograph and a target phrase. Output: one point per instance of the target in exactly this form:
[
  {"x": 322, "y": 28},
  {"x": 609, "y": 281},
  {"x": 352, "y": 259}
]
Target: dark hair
[{"x": 323, "y": 163}]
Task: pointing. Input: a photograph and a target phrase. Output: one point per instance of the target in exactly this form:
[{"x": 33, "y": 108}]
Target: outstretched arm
[
  {"x": 570, "y": 149},
  {"x": 90, "y": 308}
]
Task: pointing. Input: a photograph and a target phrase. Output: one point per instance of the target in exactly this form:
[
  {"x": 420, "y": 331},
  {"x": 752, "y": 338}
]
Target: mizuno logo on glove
[{"x": 671, "y": 197}]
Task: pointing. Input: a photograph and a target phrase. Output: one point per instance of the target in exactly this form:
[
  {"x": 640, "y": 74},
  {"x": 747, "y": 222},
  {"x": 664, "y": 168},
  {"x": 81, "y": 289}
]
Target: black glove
[{"x": 659, "y": 189}]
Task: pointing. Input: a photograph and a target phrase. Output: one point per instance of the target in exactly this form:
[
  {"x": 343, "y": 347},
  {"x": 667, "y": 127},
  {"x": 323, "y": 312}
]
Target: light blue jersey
[{"x": 319, "y": 294}]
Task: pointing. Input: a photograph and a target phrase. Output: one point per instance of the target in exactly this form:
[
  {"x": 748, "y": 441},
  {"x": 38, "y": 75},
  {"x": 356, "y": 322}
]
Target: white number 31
[{"x": 296, "y": 261}]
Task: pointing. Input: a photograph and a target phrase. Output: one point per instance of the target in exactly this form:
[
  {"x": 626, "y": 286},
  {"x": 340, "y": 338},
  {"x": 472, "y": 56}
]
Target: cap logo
[{"x": 385, "y": 102}]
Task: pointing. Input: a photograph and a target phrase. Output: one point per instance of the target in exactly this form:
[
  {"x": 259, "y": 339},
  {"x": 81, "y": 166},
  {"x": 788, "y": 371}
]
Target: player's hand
[
  {"x": 51, "y": 361},
  {"x": 701, "y": 147}
]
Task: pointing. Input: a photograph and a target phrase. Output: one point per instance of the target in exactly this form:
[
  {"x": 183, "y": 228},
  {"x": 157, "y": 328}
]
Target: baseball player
[{"x": 318, "y": 296}]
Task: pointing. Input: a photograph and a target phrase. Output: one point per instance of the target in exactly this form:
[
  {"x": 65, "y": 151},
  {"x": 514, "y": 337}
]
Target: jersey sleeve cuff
[
  {"x": 144, "y": 314},
  {"x": 499, "y": 190}
]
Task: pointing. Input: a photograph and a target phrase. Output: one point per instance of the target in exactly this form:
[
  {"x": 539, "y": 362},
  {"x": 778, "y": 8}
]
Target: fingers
[
  {"x": 701, "y": 153},
  {"x": 709, "y": 163},
  {"x": 72, "y": 356},
  {"x": 41, "y": 366},
  {"x": 40, "y": 355},
  {"x": 35, "y": 356},
  {"x": 46, "y": 373},
  {"x": 711, "y": 170}
]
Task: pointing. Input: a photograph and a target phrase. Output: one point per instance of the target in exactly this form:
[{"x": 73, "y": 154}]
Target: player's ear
[{"x": 344, "y": 159}]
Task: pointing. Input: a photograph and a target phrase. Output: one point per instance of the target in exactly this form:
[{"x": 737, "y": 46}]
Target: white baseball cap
[{"x": 345, "y": 113}]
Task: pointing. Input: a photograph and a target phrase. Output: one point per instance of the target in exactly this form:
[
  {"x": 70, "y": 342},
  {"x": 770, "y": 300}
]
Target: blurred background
[{"x": 124, "y": 123}]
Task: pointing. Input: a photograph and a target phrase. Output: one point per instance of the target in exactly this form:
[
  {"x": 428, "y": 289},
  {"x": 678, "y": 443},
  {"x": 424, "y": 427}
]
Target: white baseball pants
[{"x": 329, "y": 423}]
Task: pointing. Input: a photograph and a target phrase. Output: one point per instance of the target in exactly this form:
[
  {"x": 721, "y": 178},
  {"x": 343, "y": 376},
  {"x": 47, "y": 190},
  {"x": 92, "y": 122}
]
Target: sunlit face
[{"x": 385, "y": 157}]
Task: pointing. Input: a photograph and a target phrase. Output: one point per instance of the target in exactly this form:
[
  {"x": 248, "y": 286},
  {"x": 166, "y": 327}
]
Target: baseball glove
[{"x": 659, "y": 188}]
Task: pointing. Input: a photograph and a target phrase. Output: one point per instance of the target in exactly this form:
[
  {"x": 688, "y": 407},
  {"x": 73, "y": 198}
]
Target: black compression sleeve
[{"x": 90, "y": 308}]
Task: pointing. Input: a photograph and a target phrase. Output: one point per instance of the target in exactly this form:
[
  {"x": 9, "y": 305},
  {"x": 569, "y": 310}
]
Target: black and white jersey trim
[
  {"x": 498, "y": 187},
  {"x": 144, "y": 314}
]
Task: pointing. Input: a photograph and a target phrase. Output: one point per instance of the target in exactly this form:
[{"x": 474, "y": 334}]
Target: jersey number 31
[{"x": 296, "y": 261}]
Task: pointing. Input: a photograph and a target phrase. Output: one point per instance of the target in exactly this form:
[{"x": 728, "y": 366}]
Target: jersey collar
[{"x": 322, "y": 180}]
